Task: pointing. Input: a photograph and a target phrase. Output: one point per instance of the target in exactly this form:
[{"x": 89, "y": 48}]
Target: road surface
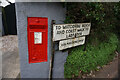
[
  {"x": 10, "y": 56},
  {"x": 10, "y": 64}
]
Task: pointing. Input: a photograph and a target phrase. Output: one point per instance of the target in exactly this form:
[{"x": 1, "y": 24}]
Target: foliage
[
  {"x": 101, "y": 15},
  {"x": 117, "y": 15},
  {"x": 104, "y": 18},
  {"x": 117, "y": 28},
  {"x": 85, "y": 61}
]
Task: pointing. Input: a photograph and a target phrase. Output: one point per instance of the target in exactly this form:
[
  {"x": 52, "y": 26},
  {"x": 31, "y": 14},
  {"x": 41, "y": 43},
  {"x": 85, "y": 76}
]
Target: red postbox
[{"x": 37, "y": 30}]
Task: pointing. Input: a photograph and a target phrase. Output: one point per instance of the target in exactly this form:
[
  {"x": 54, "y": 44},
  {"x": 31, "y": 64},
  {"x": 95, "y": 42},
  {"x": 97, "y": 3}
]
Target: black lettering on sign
[
  {"x": 64, "y": 27},
  {"x": 73, "y": 26},
  {"x": 64, "y": 44},
  {"x": 85, "y": 25},
  {"x": 70, "y": 42},
  {"x": 58, "y": 27},
  {"x": 80, "y": 30},
  {"x": 78, "y": 26},
  {"x": 61, "y": 32},
  {"x": 74, "y": 30},
  {"x": 70, "y": 35},
  {"x": 80, "y": 41},
  {"x": 58, "y": 32},
  {"x": 71, "y": 31},
  {"x": 78, "y": 34},
  {"x": 75, "y": 41}
]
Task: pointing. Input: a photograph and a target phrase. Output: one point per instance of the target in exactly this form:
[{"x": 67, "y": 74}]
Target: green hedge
[{"x": 85, "y": 61}]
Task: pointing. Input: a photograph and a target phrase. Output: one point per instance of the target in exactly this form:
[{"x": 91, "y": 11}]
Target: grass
[{"x": 85, "y": 61}]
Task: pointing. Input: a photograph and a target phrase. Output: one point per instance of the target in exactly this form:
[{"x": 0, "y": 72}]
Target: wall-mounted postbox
[{"x": 37, "y": 30}]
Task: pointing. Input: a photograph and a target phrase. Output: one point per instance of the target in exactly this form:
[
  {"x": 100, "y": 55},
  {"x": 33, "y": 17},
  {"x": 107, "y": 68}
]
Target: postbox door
[{"x": 37, "y": 43}]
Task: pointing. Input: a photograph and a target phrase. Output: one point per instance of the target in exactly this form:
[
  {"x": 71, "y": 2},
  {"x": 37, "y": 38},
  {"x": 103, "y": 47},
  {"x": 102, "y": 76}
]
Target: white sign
[
  {"x": 66, "y": 31},
  {"x": 64, "y": 44},
  {"x": 37, "y": 37}
]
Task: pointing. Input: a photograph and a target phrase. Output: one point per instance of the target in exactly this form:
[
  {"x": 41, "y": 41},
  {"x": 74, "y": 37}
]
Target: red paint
[{"x": 37, "y": 52}]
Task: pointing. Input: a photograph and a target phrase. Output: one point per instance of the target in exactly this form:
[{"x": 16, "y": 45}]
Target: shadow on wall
[{"x": 9, "y": 20}]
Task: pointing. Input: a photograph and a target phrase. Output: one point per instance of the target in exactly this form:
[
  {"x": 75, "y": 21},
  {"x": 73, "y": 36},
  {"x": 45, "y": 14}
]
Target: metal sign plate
[
  {"x": 67, "y": 31},
  {"x": 64, "y": 44}
]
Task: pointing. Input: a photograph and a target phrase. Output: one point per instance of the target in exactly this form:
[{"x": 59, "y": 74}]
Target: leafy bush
[
  {"x": 98, "y": 51},
  {"x": 117, "y": 28},
  {"x": 85, "y": 61},
  {"x": 102, "y": 16}
]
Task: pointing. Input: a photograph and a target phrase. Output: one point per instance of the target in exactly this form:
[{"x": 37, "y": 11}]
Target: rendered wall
[{"x": 53, "y": 11}]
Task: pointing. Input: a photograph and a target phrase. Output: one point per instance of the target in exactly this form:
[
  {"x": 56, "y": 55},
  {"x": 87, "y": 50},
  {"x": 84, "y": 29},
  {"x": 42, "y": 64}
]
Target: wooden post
[
  {"x": 52, "y": 51},
  {"x": 85, "y": 43}
]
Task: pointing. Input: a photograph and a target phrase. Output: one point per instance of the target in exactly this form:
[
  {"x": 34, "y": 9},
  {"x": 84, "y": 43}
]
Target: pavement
[
  {"x": 10, "y": 66},
  {"x": 10, "y": 56},
  {"x": 109, "y": 70}
]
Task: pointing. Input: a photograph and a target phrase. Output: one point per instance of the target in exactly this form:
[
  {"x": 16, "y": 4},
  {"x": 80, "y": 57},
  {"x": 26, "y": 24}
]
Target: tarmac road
[{"x": 10, "y": 64}]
